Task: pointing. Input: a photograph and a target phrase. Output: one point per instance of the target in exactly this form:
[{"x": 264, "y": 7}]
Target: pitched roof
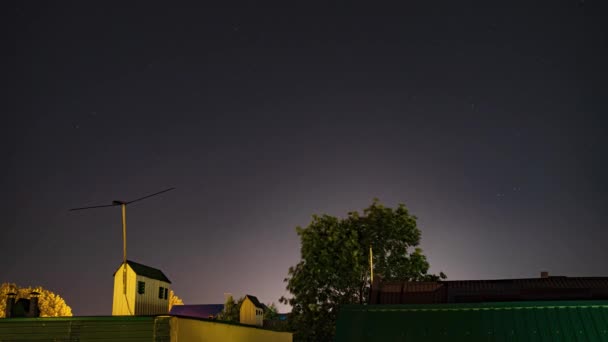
[
  {"x": 146, "y": 271},
  {"x": 475, "y": 291},
  {"x": 197, "y": 311},
  {"x": 256, "y": 302}
]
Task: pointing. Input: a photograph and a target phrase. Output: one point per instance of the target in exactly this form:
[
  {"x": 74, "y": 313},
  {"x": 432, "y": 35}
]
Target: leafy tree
[
  {"x": 231, "y": 310},
  {"x": 271, "y": 312},
  {"x": 334, "y": 269},
  {"x": 174, "y": 300},
  {"x": 49, "y": 303}
]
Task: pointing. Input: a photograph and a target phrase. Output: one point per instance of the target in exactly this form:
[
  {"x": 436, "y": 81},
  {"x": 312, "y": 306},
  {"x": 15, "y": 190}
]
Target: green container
[{"x": 505, "y": 321}]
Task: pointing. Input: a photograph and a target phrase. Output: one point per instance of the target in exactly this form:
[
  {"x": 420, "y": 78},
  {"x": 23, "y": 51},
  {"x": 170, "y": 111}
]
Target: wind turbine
[{"x": 123, "y": 207}]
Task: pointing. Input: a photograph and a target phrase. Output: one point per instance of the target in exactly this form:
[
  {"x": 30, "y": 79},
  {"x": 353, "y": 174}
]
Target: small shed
[
  {"x": 145, "y": 291},
  {"x": 252, "y": 311}
]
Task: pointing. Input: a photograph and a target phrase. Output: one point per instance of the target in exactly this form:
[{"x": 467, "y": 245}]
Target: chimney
[
  {"x": 10, "y": 302},
  {"x": 544, "y": 274},
  {"x": 33, "y": 310}
]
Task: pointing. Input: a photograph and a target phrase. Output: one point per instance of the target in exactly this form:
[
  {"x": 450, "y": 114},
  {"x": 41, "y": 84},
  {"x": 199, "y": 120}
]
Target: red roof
[{"x": 472, "y": 291}]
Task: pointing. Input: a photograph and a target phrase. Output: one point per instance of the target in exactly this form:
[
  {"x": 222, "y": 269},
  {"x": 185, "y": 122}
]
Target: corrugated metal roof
[
  {"x": 458, "y": 291},
  {"x": 197, "y": 311},
  {"x": 115, "y": 328},
  {"x": 510, "y": 321}
]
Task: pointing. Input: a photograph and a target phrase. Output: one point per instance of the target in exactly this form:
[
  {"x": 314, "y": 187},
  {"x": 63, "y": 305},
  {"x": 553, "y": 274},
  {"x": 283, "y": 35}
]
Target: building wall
[
  {"x": 143, "y": 328},
  {"x": 248, "y": 315},
  {"x": 124, "y": 305},
  {"x": 148, "y": 303},
  {"x": 135, "y": 303},
  {"x": 193, "y": 330}
]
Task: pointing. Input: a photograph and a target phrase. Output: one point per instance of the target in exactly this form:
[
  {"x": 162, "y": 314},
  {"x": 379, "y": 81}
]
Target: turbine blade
[
  {"x": 94, "y": 207},
  {"x": 154, "y": 194}
]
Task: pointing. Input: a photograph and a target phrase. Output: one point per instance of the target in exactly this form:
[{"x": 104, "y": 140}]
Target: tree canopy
[
  {"x": 232, "y": 310},
  {"x": 49, "y": 303},
  {"x": 174, "y": 300},
  {"x": 334, "y": 267},
  {"x": 271, "y": 313}
]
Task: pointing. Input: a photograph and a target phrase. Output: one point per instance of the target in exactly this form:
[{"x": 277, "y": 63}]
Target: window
[
  {"x": 161, "y": 291},
  {"x": 141, "y": 287},
  {"x": 166, "y": 292}
]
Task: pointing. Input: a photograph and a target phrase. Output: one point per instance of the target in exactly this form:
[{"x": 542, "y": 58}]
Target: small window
[
  {"x": 161, "y": 292},
  {"x": 141, "y": 287},
  {"x": 166, "y": 292}
]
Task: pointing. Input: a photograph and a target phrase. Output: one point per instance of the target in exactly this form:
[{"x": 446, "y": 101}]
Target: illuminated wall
[
  {"x": 149, "y": 302},
  {"x": 135, "y": 303},
  {"x": 133, "y": 328},
  {"x": 193, "y": 330},
  {"x": 124, "y": 305},
  {"x": 250, "y": 314}
]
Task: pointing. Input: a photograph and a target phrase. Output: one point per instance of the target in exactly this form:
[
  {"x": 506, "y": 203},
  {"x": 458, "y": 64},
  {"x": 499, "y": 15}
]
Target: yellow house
[
  {"x": 252, "y": 311},
  {"x": 140, "y": 290}
]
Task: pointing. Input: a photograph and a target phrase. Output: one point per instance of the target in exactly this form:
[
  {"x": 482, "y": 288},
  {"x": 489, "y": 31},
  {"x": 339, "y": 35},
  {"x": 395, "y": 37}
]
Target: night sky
[{"x": 488, "y": 119}]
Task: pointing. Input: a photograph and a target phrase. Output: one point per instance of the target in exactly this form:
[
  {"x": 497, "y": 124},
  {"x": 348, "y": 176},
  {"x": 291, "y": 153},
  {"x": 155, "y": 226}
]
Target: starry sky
[{"x": 486, "y": 118}]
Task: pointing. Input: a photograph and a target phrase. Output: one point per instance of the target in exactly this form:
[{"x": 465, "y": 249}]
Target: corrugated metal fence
[
  {"x": 510, "y": 321},
  {"x": 117, "y": 328}
]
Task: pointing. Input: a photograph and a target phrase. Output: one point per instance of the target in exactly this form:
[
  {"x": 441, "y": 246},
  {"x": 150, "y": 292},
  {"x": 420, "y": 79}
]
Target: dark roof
[
  {"x": 256, "y": 302},
  {"x": 146, "y": 271},
  {"x": 197, "y": 311},
  {"x": 501, "y": 290},
  {"x": 507, "y": 321}
]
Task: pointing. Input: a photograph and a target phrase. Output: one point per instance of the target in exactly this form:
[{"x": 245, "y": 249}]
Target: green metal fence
[
  {"x": 509, "y": 321},
  {"x": 82, "y": 329}
]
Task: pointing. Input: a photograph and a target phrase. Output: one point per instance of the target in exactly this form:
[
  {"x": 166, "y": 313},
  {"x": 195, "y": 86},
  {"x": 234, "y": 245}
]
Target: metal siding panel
[
  {"x": 477, "y": 331},
  {"x": 565, "y": 328},
  {"x": 556, "y": 334},
  {"x": 519, "y": 325},
  {"x": 602, "y": 318},
  {"x": 454, "y": 326},
  {"x": 541, "y": 321},
  {"x": 581, "y": 325},
  {"x": 543, "y": 324},
  {"x": 148, "y": 303},
  {"x": 568, "y": 319},
  {"x": 86, "y": 329},
  {"x": 586, "y": 318}
]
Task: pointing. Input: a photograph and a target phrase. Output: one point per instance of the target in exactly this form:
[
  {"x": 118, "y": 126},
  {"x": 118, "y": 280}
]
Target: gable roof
[
  {"x": 146, "y": 271},
  {"x": 197, "y": 310},
  {"x": 256, "y": 302}
]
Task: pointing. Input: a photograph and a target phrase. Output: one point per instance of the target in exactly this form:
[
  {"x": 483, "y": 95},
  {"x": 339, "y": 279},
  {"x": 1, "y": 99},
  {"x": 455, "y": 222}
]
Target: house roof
[
  {"x": 471, "y": 291},
  {"x": 146, "y": 271},
  {"x": 197, "y": 311},
  {"x": 256, "y": 302},
  {"x": 510, "y": 321}
]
